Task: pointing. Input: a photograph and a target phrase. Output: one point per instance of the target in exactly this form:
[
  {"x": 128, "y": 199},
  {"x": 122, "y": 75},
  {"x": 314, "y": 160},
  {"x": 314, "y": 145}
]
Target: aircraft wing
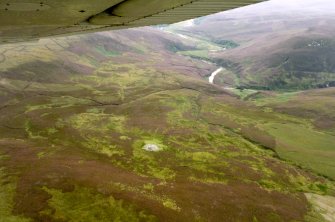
[{"x": 24, "y": 20}]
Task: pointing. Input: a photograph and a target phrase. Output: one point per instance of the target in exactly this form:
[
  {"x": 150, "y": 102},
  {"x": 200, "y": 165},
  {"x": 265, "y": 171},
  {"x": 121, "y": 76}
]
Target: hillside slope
[
  {"x": 83, "y": 54},
  {"x": 273, "y": 45},
  {"x": 118, "y": 127}
]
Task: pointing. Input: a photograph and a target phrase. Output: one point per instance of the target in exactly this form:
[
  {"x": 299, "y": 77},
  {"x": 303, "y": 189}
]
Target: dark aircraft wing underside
[{"x": 24, "y": 20}]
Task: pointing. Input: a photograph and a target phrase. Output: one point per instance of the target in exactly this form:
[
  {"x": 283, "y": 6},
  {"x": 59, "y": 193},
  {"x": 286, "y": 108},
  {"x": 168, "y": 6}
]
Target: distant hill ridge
[{"x": 281, "y": 45}]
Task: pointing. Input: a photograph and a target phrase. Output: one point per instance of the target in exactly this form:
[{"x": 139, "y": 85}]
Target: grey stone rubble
[{"x": 151, "y": 148}]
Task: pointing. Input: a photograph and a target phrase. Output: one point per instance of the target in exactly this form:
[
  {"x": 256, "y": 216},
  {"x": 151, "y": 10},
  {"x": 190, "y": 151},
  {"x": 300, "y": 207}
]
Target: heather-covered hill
[
  {"x": 124, "y": 126},
  {"x": 53, "y": 60},
  {"x": 272, "y": 45}
]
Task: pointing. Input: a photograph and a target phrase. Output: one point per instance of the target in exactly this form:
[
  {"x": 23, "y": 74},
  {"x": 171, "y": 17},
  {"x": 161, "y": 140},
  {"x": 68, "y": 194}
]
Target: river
[{"x": 212, "y": 77}]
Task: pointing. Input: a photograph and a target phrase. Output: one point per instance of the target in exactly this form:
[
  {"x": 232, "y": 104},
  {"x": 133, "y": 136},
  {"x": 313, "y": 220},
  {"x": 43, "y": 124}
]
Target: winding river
[{"x": 212, "y": 77}]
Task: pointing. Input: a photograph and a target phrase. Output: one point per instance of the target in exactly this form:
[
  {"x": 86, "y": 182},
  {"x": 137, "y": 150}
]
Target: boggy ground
[{"x": 73, "y": 151}]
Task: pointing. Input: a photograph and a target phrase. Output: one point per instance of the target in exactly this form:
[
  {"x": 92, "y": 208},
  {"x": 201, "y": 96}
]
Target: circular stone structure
[{"x": 151, "y": 148}]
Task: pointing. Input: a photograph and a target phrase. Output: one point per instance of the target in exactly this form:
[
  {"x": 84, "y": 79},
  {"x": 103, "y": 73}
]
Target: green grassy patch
[
  {"x": 98, "y": 122},
  {"x": 242, "y": 93},
  {"x": 148, "y": 192},
  {"x": 278, "y": 98},
  {"x": 149, "y": 163},
  {"x": 84, "y": 204},
  {"x": 202, "y": 54},
  {"x": 110, "y": 53},
  {"x": 102, "y": 146},
  {"x": 305, "y": 146},
  {"x": 7, "y": 194}
]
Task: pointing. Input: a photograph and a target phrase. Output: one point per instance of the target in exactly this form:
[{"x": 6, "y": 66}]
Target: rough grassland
[{"x": 73, "y": 149}]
